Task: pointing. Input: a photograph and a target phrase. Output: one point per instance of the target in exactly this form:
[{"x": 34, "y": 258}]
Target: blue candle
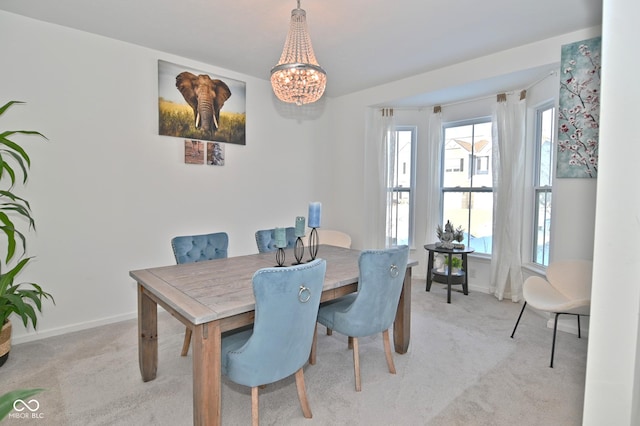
[
  {"x": 281, "y": 238},
  {"x": 300, "y": 226},
  {"x": 315, "y": 211}
]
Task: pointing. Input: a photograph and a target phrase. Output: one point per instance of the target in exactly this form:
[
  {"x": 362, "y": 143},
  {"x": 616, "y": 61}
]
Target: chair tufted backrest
[
  {"x": 196, "y": 248},
  {"x": 287, "y": 301},
  {"x": 379, "y": 287},
  {"x": 266, "y": 239}
]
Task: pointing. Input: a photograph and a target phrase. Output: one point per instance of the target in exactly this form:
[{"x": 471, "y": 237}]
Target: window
[
  {"x": 467, "y": 197},
  {"x": 482, "y": 165},
  {"x": 545, "y": 131},
  {"x": 403, "y": 182},
  {"x": 454, "y": 165}
]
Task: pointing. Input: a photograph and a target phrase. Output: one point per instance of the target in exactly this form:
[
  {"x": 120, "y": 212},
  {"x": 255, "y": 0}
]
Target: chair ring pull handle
[
  {"x": 394, "y": 271},
  {"x": 304, "y": 294}
]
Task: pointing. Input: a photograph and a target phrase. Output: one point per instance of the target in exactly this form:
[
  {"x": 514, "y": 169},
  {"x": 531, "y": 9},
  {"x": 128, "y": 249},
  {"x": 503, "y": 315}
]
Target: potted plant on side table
[
  {"x": 456, "y": 264},
  {"x": 22, "y": 299}
]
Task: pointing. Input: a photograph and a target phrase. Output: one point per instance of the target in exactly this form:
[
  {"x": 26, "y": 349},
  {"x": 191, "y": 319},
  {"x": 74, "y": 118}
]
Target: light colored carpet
[{"x": 461, "y": 369}]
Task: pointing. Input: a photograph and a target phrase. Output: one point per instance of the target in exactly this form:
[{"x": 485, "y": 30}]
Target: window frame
[
  {"x": 471, "y": 171},
  {"x": 410, "y": 190},
  {"x": 538, "y": 189}
]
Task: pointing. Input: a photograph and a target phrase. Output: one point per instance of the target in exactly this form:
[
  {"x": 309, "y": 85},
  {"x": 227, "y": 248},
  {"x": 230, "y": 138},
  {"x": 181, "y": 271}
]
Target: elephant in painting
[{"x": 205, "y": 96}]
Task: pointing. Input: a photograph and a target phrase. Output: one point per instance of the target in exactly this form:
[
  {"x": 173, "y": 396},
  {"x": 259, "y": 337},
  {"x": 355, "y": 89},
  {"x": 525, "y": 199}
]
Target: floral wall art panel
[
  {"x": 195, "y": 104},
  {"x": 579, "y": 110}
]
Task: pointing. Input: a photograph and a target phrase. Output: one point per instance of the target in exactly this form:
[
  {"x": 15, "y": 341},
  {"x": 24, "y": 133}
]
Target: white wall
[
  {"x": 108, "y": 192},
  {"x": 612, "y": 394}
]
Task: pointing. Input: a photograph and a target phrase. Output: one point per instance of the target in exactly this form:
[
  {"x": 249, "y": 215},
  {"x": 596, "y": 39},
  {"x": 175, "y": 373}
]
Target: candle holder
[
  {"x": 314, "y": 241},
  {"x": 298, "y": 251},
  {"x": 280, "y": 256}
]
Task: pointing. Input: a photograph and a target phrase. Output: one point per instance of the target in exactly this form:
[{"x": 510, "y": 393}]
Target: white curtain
[
  {"x": 433, "y": 152},
  {"x": 508, "y": 195},
  {"x": 380, "y": 151}
]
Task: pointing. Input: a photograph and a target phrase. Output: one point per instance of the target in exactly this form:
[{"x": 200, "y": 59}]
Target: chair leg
[
  {"x": 187, "y": 342},
  {"x": 302, "y": 394},
  {"x": 312, "y": 355},
  {"x": 356, "y": 363},
  {"x": 519, "y": 316},
  {"x": 387, "y": 352},
  {"x": 254, "y": 407},
  {"x": 350, "y": 342},
  {"x": 579, "y": 335},
  {"x": 553, "y": 345}
]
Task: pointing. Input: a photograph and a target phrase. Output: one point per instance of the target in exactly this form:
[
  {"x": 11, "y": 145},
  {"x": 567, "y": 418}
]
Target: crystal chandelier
[{"x": 298, "y": 78}]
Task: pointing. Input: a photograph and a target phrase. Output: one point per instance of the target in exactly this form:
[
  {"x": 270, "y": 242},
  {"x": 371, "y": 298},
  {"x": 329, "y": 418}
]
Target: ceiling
[{"x": 360, "y": 43}]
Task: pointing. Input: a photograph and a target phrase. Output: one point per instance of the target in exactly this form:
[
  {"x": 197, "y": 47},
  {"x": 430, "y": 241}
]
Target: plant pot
[{"x": 5, "y": 342}]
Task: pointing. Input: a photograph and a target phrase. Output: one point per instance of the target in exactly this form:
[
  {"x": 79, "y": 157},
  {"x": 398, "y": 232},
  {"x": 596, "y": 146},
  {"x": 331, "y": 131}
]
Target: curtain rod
[
  {"x": 541, "y": 79},
  {"x": 535, "y": 83}
]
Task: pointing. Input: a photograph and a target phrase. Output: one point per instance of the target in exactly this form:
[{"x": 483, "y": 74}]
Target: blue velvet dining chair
[
  {"x": 286, "y": 309},
  {"x": 266, "y": 239},
  {"x": 373, "y": 307},
  {"x": 196, "y": 248}
]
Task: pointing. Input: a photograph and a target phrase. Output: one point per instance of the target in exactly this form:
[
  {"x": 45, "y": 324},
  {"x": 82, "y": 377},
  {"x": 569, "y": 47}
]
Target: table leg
[
  {"x": 147, "y": 335},
  {"x": 207, "y": 399},
  {"x": 449, "y": 279},
  {"x": 465, "y": 285},
  {"x": 429, "y": 269},
  {"x": 402, "y": 323}
]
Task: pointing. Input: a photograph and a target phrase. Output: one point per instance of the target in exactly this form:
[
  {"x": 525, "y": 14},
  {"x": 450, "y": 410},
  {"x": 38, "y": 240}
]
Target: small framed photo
[
  {"x": 215, "y": 154},
  {"x": 193, "y": 151}
]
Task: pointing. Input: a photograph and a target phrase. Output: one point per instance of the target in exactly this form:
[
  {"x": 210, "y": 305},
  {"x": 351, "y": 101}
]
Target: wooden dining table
[{"x": 215, "y": 296}]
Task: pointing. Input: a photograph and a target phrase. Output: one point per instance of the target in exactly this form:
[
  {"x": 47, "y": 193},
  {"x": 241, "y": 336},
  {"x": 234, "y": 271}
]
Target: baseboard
[
  {"x": 38, "y": 335},
  {"x": 569, "y": 324},
  {"x": 472, "y": 287},
  {"x": 566, "y": 323}
]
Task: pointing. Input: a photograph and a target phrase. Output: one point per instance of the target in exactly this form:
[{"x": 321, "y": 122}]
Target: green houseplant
[
  {"x": 22, "y": 299},
  {"x": 456, "y": 263}
]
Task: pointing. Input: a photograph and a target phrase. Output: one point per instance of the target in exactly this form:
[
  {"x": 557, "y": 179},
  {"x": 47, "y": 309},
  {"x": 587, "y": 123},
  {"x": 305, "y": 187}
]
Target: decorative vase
[{"x": 5, "y": 342}]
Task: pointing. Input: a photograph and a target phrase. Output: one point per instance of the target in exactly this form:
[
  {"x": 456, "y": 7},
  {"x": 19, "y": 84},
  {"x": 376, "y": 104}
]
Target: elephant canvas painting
[{"x": 194, "y": 104}]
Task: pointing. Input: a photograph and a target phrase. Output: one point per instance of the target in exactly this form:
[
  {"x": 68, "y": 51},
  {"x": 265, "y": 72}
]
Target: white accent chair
[{"x": 566, "y": 290}]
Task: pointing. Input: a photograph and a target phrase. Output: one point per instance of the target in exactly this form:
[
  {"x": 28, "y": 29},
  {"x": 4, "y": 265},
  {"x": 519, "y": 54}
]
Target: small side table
[{"x": 447, "y": 277}]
